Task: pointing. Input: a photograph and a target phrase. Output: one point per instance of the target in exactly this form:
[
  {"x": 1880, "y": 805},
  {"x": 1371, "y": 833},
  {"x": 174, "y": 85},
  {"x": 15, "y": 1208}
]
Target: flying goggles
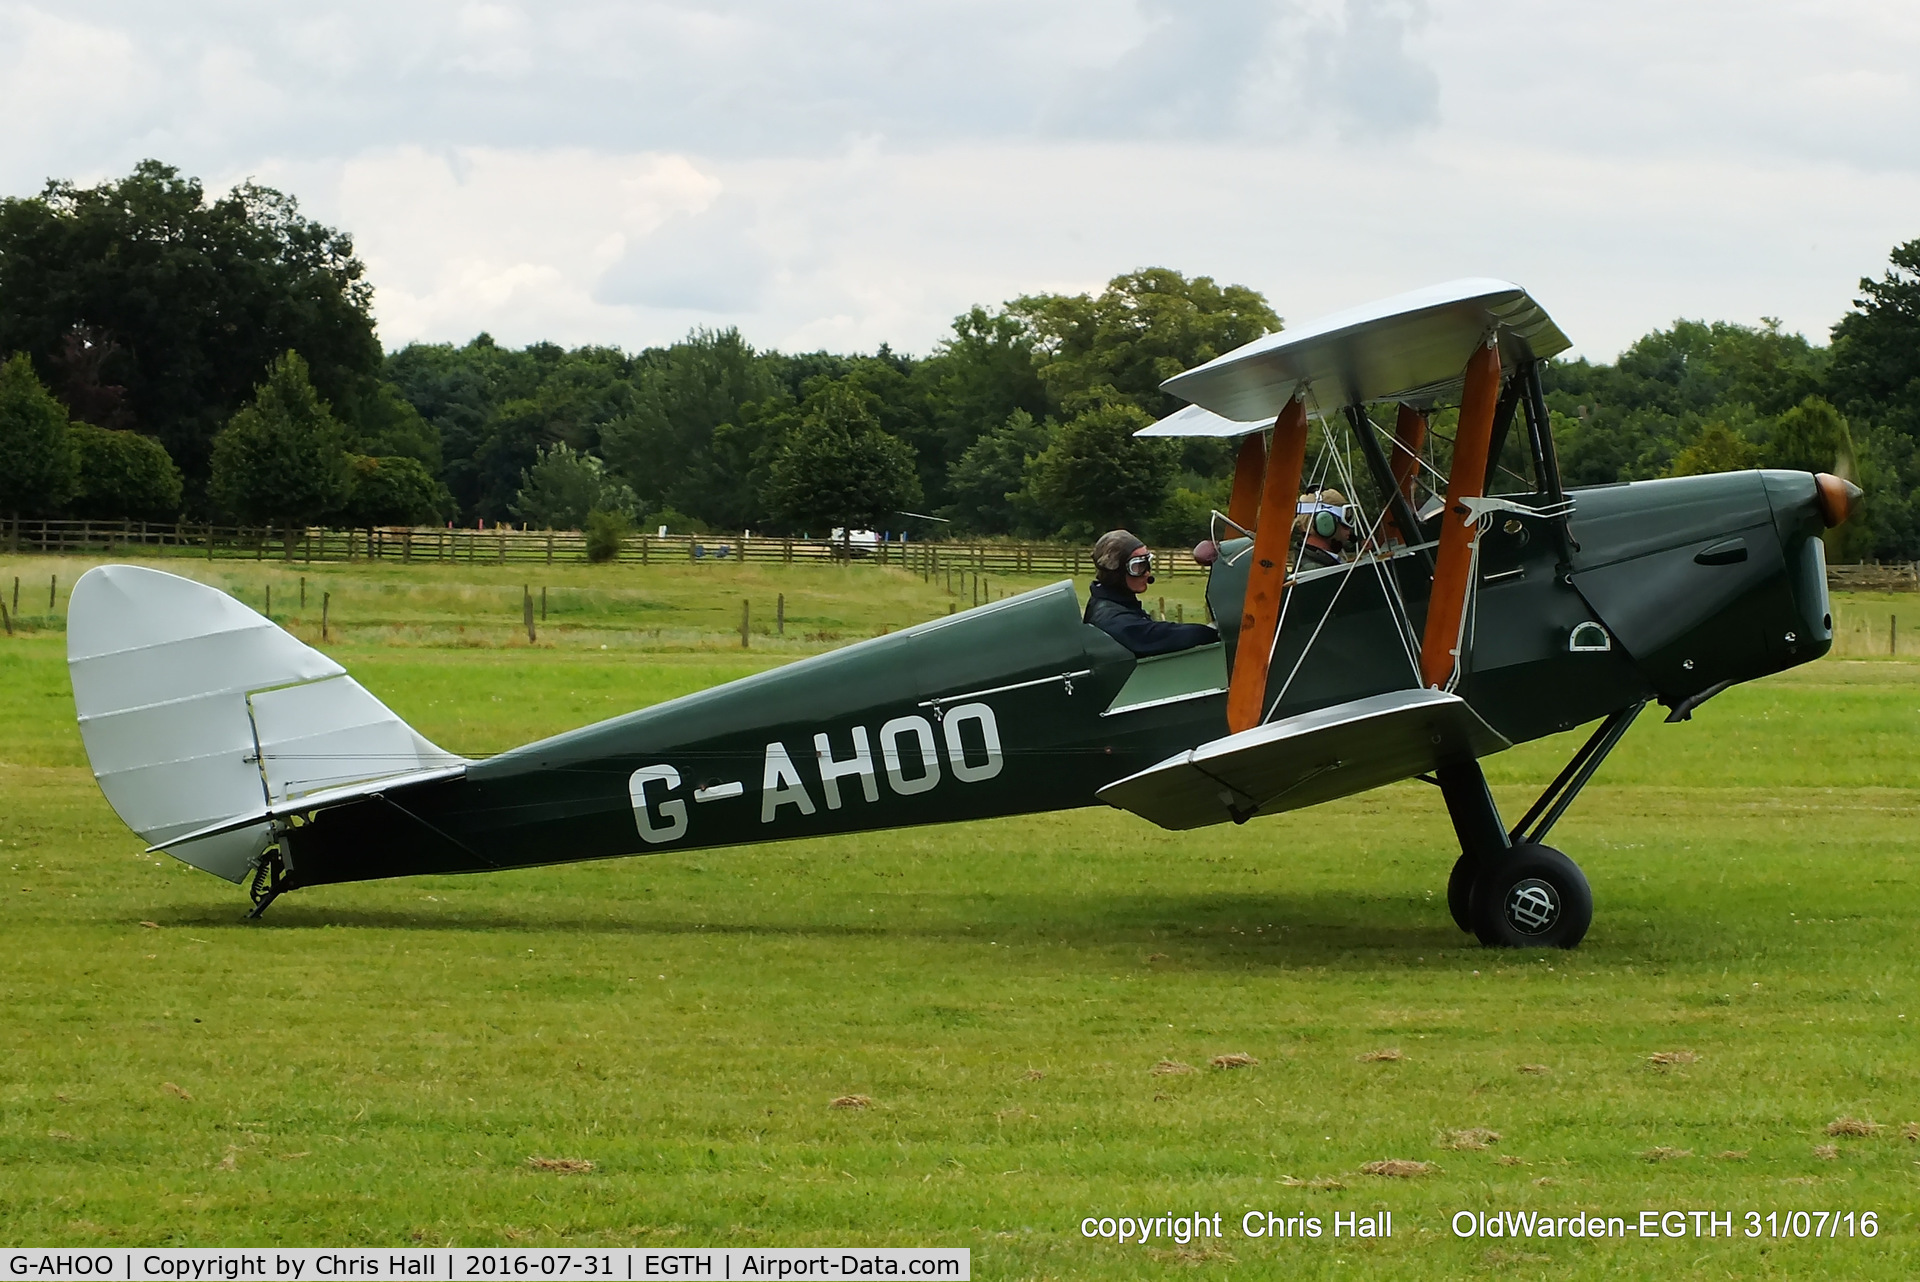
[{"x": 1324, "y": 518}]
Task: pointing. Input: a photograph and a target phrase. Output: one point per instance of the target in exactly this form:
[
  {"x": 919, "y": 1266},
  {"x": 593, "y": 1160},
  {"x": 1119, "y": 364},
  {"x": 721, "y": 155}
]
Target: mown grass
[{"x": 377, "y": 1063}]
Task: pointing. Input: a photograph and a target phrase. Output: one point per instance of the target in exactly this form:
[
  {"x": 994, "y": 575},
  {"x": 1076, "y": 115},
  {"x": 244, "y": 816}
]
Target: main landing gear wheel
[
  {"x": 1460, "y": 891},
  {"x": 1530, "y": 896}
]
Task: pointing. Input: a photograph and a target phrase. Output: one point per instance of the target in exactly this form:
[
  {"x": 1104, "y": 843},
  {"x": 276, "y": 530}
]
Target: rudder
[{"x": 197, "y": 711}]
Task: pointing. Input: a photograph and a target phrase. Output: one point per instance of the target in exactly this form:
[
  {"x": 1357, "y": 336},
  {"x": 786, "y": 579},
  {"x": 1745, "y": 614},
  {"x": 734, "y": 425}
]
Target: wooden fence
[{"x": 502, "y": 546}]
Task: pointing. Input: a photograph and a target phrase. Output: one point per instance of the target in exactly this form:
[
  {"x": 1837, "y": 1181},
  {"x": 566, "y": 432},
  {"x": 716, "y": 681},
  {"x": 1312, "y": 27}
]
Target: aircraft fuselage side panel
[{"x": 996, "y": 711}]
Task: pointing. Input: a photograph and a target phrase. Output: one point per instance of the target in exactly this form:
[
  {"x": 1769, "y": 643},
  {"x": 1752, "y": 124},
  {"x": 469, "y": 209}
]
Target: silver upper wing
[{"x": 1412, "y": 347}]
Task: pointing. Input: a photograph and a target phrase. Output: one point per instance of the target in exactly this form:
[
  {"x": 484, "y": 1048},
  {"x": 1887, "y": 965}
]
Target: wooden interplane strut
[
  {"x": 1453, "y": 568},
  {"x": 1409, "y": 436},
  {"x": 1267, "y": 577},
  {"x": 1249, "y": 468}
]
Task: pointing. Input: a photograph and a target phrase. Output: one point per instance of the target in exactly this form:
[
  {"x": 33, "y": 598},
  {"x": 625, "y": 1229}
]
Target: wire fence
[{"x": 504, "y": 546}]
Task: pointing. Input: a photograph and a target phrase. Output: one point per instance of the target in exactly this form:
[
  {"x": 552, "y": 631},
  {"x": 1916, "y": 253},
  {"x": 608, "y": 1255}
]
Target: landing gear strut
[
  {"x": 269, "y": 880},
  {"x": 1508, "y": 888}
]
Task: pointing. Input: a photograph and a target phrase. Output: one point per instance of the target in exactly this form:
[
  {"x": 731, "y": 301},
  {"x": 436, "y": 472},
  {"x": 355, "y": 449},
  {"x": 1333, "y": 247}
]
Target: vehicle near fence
[{"x": 1481, "y": 607}]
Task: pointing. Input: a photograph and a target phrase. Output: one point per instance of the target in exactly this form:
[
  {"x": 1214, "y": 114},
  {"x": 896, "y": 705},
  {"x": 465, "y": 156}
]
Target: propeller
[{"x": 1839, "y": 489}]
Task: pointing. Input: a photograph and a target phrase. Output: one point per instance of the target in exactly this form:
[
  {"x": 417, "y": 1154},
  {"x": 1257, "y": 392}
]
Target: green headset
[{"x": 1325, "y": 519}]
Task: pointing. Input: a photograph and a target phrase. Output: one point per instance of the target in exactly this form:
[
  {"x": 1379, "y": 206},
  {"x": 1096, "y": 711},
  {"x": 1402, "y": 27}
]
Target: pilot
[
  {"x": 1325, "y": 519},
  {"x": 1122, "y": 570}
]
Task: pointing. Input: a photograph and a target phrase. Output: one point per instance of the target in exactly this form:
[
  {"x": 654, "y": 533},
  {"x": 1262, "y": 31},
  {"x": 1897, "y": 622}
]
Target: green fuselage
[{"x": 1019, "y": 706}]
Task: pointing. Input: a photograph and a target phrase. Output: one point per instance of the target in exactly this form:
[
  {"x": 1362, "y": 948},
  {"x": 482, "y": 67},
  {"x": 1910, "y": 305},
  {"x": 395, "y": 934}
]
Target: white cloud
[{"x": 851, "y": 172}]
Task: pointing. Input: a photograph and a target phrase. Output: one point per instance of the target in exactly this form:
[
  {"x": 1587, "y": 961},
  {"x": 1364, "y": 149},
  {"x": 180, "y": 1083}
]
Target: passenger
[
  {"x": 1326, "y": 520},
  {"x": 1122, "y": 570}
]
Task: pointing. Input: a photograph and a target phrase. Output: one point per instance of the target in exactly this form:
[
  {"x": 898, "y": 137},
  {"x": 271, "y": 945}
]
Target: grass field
[{"x": 378, "y": 1063}]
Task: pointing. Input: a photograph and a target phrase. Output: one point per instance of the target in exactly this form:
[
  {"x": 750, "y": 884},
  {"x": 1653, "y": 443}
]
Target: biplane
[{"x": 1484, "y": 604}]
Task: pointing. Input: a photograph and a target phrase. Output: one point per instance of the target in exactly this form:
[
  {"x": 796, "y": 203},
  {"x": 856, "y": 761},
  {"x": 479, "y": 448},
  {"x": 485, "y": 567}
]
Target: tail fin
[{"x": 198, "y": 713}]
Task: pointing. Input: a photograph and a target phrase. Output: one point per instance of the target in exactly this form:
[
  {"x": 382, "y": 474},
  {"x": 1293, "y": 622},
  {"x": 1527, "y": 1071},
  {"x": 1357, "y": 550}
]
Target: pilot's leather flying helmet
[{"x": 1111, "y": 554}]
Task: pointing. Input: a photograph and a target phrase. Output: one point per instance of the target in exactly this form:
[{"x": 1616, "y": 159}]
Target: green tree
[
  {"x": 1718, "y": 448},
  {"x": 36, "y": 458},
  {"x": 837, "y": 469},
  {"x": 1144, "y": 328},
  {"x": 606, "y": 532},
  {"x": 457, "y": 391},
  {"x": 988, "y": 481},
  {"x": 663, "y": 444},
  {"x": 1097, "y": 475},
  {"x": 971, "y": 385},
  {"x": 283, "y": 457},
  {"x": 1875, "y": 373},
  {"x": 122, "y": 475},
  {"x": 394, "y": 490},
  {"x": 1186, "y": 515},
  {"x": 385, "y": 424},
  {"x": 1811, "y": 437},
  {"x": 177, "y": 302},
  {"x": 564, "y": 485},
  {"x": 1631, "y": 420}
]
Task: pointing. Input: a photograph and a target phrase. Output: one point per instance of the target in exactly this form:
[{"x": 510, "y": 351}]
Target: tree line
[{"x": 170, "y": 354}]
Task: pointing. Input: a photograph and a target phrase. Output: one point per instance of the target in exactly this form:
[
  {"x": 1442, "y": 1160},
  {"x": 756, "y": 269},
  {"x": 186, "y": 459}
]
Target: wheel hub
[{"x": 1533, "y": 906}]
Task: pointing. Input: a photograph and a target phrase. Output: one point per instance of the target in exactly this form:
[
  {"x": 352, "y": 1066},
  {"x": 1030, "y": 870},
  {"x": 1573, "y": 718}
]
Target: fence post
[
  {"x": 303, "y": 592},
  {"x": 53, "y": 591},
  {"x": 543, "y": 603},
  {"x": 780, "y": 614},
  {"x": 326, "y": 603},
  {"x": 746, "y": 617},
  {"x": 526, "y": 610},
  {"x": 8, "y": 618},
  {"x": 543, "y": 591}
]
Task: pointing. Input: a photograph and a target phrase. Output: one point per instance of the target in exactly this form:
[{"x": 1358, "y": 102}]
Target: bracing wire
[{"x": 1333, "y": 456}]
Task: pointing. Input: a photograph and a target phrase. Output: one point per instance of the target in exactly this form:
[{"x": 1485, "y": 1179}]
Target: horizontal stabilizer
[{"x": 1307, "y": 759}]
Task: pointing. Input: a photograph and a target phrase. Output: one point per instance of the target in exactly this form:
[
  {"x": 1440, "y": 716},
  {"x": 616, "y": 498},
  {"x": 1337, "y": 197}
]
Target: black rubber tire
[
  {"x": 1531, "y": 897},
  {"x": 1460, "y": 891}
]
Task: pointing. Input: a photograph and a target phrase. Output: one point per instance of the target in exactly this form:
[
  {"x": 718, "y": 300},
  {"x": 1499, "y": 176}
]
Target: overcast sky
[{"x": 846, "y": 172}]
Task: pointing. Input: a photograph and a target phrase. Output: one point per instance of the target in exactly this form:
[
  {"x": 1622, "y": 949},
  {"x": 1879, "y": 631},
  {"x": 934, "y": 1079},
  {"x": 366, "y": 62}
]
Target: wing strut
[
  {"x": 1243, "y": 509},
  {"x": 1409, "y": 438},
  {"x": 1453, "y": 571},
  {"x": 1399, "y": 508},
  {"x": 1267, "y": 576}
]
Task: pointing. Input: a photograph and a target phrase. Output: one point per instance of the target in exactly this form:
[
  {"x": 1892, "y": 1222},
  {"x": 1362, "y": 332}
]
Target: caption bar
[{"x": 472, "y": 1264}]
